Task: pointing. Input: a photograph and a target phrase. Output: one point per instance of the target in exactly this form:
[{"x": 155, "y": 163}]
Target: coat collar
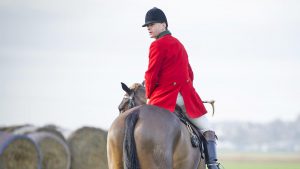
[{"x": 166, "y": 32}]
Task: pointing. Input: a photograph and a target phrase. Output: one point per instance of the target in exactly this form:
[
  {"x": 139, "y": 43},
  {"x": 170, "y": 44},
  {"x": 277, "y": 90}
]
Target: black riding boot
[{"x": 210, "y": 150}]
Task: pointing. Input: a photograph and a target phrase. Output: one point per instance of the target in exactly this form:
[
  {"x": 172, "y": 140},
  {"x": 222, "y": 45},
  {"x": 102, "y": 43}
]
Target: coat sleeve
[
  {"x": 191, "y": 74},
  {"x": 154, "y": 65}
]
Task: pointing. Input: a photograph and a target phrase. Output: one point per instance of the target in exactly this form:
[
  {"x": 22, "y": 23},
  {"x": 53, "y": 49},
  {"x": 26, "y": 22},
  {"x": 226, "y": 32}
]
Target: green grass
[
  {"x": 260, "y": 160},
  {"x": 260, "y": 165}
]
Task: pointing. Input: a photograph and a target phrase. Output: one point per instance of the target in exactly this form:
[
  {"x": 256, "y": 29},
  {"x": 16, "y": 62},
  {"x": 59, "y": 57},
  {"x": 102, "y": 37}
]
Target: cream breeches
[{"x": 201, "y": 122}]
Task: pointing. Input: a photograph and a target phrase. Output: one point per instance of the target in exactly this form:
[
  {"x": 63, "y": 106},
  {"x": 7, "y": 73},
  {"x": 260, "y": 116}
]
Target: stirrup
[{"x": 214, "y": 164}]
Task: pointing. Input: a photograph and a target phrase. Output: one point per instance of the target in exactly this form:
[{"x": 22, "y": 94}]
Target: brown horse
[{"x": 148, "y": 137}]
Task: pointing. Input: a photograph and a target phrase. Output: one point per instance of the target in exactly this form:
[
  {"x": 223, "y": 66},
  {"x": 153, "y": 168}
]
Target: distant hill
[{"x": 276, "y": 136}]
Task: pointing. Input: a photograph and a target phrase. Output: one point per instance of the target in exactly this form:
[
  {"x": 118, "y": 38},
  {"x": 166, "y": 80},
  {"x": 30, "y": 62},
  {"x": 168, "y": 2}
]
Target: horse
[{"x": 149, "y": 137}]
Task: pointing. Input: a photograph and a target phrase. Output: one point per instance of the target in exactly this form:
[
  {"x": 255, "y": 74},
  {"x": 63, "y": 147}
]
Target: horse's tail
[{"x": 129, "y": 148}]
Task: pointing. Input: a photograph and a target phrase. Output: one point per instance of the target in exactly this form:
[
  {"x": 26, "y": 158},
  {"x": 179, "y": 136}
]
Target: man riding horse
[{"x": 169, "y": 80}]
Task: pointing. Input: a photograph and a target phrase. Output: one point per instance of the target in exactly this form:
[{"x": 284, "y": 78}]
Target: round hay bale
[
  {"x": 55, "y": 153},
  {"x": 26, "y": 129},
  {"x": 88, "y": 148},
  {"x": 52, "y": 129},
  {"x": 18, "y": 151}
]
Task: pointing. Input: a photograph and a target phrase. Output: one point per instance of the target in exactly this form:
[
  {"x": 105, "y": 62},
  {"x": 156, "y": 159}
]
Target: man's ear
[{"x": 165, "y": 25}]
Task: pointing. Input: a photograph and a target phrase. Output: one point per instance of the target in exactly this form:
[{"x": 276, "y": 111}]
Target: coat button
[
  {"x": 187, "y": 80},
  {"x": 174, "y": 83}
]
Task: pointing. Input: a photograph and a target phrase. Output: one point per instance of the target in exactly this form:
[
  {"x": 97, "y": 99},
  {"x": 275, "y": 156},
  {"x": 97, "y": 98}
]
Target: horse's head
[{"x": 134, "y": 96}]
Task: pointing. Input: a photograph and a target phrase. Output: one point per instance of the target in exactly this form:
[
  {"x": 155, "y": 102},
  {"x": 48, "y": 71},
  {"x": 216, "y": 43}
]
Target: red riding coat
[{"x": 169, "y": 73}]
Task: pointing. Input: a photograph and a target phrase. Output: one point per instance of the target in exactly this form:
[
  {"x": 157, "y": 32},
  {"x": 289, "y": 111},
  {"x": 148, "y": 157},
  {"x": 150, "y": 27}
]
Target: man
[{"x": 169, "y": 80}]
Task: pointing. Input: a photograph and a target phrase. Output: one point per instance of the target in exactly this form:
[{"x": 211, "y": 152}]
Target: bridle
[{"x": 131, "y": 103}]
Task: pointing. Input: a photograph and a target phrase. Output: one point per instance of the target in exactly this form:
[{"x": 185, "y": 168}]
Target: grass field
[
  {"x": 260, "y": 160},
  {"x": 260, "y": 165}
]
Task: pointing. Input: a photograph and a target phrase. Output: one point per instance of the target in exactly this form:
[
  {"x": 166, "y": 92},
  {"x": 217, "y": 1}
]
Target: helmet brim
[{"x": 149, "y": 22}]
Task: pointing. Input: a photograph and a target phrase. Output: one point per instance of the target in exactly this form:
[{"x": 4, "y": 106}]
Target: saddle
[{"x": 196, "y": 137}]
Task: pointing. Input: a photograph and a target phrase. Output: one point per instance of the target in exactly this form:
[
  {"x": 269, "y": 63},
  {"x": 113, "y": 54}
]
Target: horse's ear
[{"x": 125, "y": 88}]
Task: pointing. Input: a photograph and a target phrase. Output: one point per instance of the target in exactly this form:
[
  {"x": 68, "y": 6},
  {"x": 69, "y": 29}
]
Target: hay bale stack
[
  {"x": 55, "y": 153},
  {"x": 19, "y": 129},
  {"x": 28, "y": 128},
  {"x": 88, "y": 148},
  {"x": 18, "y": 151},
  {"x": 52, "y": 146}
]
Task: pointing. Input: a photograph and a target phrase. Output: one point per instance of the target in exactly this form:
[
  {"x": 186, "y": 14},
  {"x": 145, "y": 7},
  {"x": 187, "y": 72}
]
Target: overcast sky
[{"x": 62, "y": 61}]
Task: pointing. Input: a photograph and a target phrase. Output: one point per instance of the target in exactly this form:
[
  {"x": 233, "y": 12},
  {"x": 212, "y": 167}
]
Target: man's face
[{"x": 155, "y": 29}]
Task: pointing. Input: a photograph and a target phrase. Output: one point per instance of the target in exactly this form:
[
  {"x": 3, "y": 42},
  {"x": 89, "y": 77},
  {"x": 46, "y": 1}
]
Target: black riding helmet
[{"x": 155, "y": 15}]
